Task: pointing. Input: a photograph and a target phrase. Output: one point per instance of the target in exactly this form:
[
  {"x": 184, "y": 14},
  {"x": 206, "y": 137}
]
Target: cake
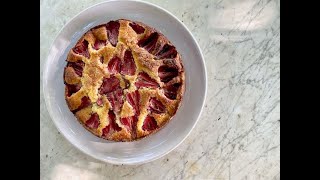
[{"x": 124, "y": 80}]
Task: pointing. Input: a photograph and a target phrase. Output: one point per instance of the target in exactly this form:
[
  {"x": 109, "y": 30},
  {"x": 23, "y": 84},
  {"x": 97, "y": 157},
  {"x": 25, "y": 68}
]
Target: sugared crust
[{"x": 95, "y": 69}]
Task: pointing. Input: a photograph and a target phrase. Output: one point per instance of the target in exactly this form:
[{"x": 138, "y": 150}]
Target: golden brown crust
[
  {"x": 149, "y": 90},
  {"x": 70, "y": 76}
]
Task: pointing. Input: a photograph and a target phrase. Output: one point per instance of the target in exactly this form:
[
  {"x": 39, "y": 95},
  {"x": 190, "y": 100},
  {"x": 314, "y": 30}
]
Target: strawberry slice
[
  {"x": 93, "y": 122},
  {"x": 127, "y": 122},
  {"x": 167, "y": 73},
  {"x": 156, "y": 106},
  {"x": 82, "y": 48},
  {"x": 137, "y": 28},
  {"x": 113, "y": 32},
  {"x": 149, "y": 43},
  {"x": 167, "y": 51},
  {"x": 149, "y": 124},
  {"x": 99, "y": 102},
  {"x": 134, "y": 100},
  {"x": 71, "y": 89},
  {"x": 131, "y": 124},
  {"x": 171, "y": 91},
  {"x": 102, "y": 59},
  {"x": 99, "y": 44},
  {"x": 114, "y": 65},
  {"x": 128, "y": 66},
  {"x": 127, "y": 83},
  {"x": 113, "y": 126},
  {"x": 144, "y": 80},
  {"x": 109, "y": 85},
  {"x": 77, "y": 66},
  {"x": 85, "y": 102},
  {"x": 116, "y": 100},
  {"x": 105, "y": 131}
]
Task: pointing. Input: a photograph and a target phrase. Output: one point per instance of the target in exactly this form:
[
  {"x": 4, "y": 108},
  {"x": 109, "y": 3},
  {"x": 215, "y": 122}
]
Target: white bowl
[{"x": 156, "y": 145}]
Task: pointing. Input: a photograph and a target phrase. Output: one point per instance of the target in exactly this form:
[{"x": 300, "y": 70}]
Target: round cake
[{"x": 123, "y": 80}]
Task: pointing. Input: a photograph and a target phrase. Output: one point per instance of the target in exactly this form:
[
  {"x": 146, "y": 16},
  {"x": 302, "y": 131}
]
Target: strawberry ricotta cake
[{"x": 123, "y": 80}]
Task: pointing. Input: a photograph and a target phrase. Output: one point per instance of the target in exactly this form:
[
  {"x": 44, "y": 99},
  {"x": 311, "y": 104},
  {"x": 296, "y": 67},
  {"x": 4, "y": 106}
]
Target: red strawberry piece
[
  {"x": 128, "y": 66},
  {"x": 114, "y": 65},
  {"x": 126, "y": 121},
  {"x": 93, "y": 122},
  {"x": 113, "y": 31},
  {"x": 156, "y": 106},
  {"x": 112, "y": 118},
  {"x": 82, "y": 49},
  {"x": 116, "y": 100},
  {"x": 171, "y": 91},
  {"x": 85, "y": 102},
  {"x": 105, "y": 131},
  {"x": 137, "y": 28},
  {"x": 77, "y": 66},
  {"x": 71, "y": 89},
  {"x": 144, "y": 80},
  {"x": 109, "y": 85},
  {"x": 134, "y": 100},
  {"x": 113, "y": 126},
  {"x": 167, "y": 73},
  {"x": 99, "y": 102},
  {"x": 149, "y": 124},
  {"x": 149, "y": 43},
  {"x": 167, "y": 51},
  {"x": 130, "y": 123},
  {"x": 127, "y": 83},
  {"x": 101, "y": 59},
  {"x": 99, "y": 44}
]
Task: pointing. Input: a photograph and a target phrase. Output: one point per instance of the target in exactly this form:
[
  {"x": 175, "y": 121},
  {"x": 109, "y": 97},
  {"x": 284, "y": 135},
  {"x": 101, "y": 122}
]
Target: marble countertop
[{"x": 238, "y": 134}]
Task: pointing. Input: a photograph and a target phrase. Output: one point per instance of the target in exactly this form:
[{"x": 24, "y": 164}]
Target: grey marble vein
[{"x": 238, "y": 135}]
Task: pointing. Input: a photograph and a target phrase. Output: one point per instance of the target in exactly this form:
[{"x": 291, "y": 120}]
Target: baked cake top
[{"x": 124, "y": 80}]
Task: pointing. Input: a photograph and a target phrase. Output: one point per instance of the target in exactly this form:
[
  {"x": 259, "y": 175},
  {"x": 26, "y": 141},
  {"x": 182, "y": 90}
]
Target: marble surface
[{"x": 238, "y": 134}]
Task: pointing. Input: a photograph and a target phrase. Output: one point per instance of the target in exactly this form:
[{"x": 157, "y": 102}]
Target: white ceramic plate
[{"x": 156, "y": 145}]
